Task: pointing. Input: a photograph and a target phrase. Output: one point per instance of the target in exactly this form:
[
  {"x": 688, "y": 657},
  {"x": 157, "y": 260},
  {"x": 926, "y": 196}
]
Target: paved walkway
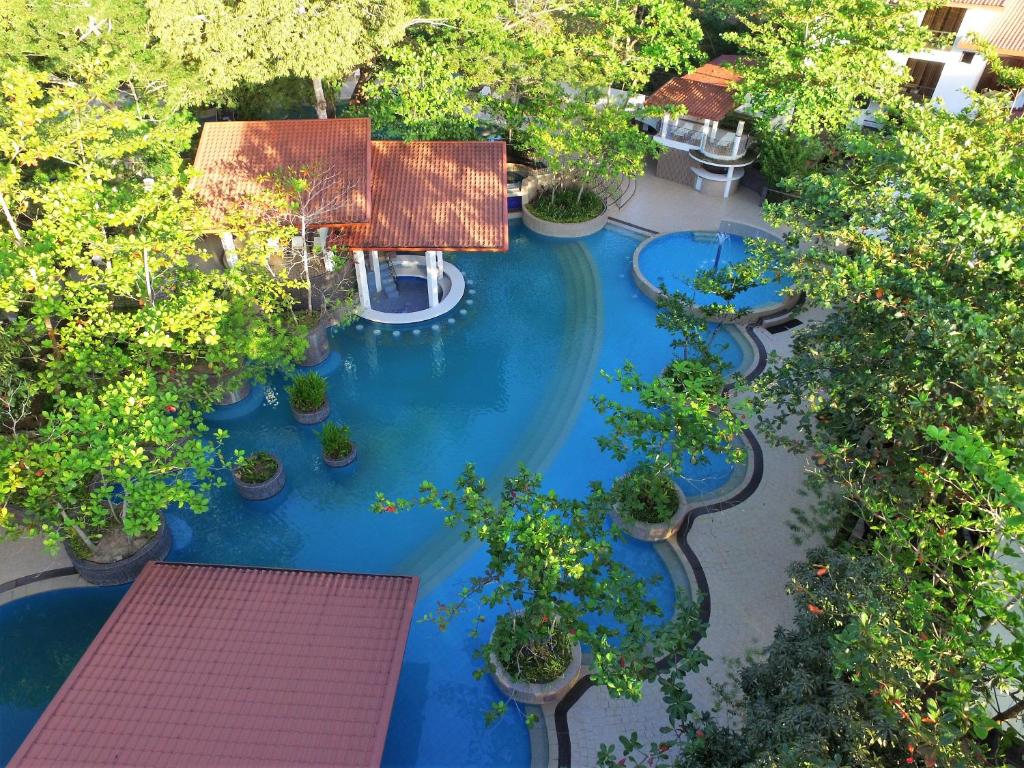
[
  {"x": 744, "y": 551},
  {"x": 27, "y": 568}
]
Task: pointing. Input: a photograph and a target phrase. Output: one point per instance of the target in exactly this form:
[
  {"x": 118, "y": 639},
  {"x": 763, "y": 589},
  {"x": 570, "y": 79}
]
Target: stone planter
[
  {"x": 124, "y": 570},
  {"x": 538, "y": 693},
  {"x": 236, "y": 395},
  {"x": 312, "y": 417},
  {"x": 264, "y": 490},
  {"x": 344, "y": 461},
  {"x": 652, "y": 531},
  {"x": 557, "y": 229},
  {"x": 317, "y": 348}
]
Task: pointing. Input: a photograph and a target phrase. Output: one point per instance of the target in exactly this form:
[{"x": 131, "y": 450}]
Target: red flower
[
  {"x": 39, "y": 473},
  {"x": 814, "y": 609},
  {"x": 544, "y": 619},
  {"x": 171, "y": 409},
  {"x": 822, "y": 571},
  {"x": 700, "y": 733},
  {"x": 390, "y": 508},
  {"x": 909, "y": 760}
]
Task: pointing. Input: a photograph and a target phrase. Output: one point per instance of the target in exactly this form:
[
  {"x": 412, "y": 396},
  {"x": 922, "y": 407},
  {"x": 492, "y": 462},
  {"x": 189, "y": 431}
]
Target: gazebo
[
  {"x": 204, "y": 665},
  {"x": 374, "y": 197}
]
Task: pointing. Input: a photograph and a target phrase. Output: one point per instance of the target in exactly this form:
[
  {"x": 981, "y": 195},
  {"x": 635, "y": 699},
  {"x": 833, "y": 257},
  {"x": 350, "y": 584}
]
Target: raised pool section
[
  {"x": 505, "y": 378},
  {"x": 677, "y": 258}
]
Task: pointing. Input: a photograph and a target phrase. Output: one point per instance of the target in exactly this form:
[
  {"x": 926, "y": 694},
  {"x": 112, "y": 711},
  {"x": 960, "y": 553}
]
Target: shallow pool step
[{"x": 705, "y": 237}]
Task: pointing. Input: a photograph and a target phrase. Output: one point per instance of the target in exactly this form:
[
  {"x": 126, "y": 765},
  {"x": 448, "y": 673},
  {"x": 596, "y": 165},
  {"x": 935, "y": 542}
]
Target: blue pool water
[
  {"x": 677, "y": 258},
  {"x": 504, "y": 379}
]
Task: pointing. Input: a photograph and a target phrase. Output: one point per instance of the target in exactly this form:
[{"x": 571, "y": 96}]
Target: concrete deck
[{"x": 26, "y": 568}]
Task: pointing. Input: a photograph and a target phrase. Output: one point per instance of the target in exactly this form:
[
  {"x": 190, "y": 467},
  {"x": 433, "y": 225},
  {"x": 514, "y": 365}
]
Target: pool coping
[
  {"x": 716, "y": 501},
  {"x": 727, "y": 227}
]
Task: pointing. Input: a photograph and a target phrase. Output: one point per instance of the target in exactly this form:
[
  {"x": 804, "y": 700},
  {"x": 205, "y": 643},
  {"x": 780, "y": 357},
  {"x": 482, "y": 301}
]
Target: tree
[
  {"x": 257, "y": 41},
  {"x": 553, "y": 576},
  {"x": 114, "y": 341},
  {"x": 908, "y": 394},
  {"x": 809, "y": 66}
]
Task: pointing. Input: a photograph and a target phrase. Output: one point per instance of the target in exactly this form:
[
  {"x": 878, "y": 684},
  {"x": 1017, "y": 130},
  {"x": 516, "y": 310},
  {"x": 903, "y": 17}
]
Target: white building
[{"x": 944, "y": 72}]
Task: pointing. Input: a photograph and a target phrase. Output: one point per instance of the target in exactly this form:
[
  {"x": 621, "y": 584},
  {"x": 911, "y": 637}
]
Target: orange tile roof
[
  {"x": 205, "y": 665},
  {"x": 1006, "y": 31},
  {"x": 234, "y": 159},
  {"x": 704, "y": 91},
  {"x": 443, "y": 195}
]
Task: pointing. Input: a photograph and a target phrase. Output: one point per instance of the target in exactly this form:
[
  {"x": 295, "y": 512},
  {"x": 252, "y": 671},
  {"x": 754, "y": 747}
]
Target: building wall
[{"x": 957, "y": 74}]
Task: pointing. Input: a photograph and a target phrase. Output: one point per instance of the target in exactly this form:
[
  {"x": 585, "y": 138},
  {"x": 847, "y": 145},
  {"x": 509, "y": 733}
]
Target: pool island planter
[
  {"x": 559, "y": 229},
  {"x": 127, "y": 568},
  {"x": 644, "y": 531},
  {"x": 538, "y": 693},
  {"x": 312, "y": 417},
  {"x": 236, "y": 395},
  {"x": 342, "y": 461},
  {"x": 318, "y": 347},
  {"x": 264, "y": 490}
]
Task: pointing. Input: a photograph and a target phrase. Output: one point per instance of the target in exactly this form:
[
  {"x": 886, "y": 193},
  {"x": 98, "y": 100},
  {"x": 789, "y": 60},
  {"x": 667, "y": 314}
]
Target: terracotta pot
[
  {"x": 344, "y": 461},
  {"x": 124, "y": 570},
  {"x": 264, "y": 490},
  {"x": 312, "y": 417}
]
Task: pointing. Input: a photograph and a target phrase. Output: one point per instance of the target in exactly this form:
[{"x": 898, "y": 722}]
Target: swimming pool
[
  {"x": 506, "y": 378},
  {"x": 676, "y": 258}
]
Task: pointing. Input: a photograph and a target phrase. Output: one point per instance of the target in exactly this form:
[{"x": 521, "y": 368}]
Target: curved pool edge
[
  {"x": 719, "y": 500},
  {"x": 443, "y": 307},
  {"x": 740, "y": 229}
]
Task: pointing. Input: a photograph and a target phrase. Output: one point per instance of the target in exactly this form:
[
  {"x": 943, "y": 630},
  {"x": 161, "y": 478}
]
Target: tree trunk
[
  {"x": 305, "y": 267},
  {"x": 321, "y": 100}
]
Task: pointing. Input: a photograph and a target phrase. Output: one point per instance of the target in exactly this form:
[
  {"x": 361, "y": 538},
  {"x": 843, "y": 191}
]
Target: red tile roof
[
  {"x": 234, "y": 159},
  {"x": 210, "y": 666},
  {"x": 704, "y": 92},
  {"x": 444, "y": 195}
]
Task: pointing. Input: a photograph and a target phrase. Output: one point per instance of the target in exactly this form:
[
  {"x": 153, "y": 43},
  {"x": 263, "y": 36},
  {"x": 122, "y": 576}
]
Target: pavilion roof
[
  {"x": 388, "y": 195},
  {"x": 219, "y": 665},
  {"x": 704, "y": 91}
]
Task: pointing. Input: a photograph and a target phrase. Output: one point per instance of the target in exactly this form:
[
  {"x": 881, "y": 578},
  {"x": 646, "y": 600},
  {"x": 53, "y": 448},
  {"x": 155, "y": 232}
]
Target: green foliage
[
  {"x": 812, "y": 63},
  {"x": 336, "y": 440},
  {"x": 566, "y": 205},
  {"x": 646, "y": 495},
  {"x": 549, "y": 559},
  {"x": 909, "y": 393},
  {"x": 308, "y": 391},
  {"x": 256, "y": 468},
  {"x": 784, "y": 154},
  {"x": 541, "y": 659}
]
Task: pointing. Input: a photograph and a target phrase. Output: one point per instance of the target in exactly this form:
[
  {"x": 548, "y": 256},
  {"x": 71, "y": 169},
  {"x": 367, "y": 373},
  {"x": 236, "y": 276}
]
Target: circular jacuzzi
[{"x": 675, "y": 259}]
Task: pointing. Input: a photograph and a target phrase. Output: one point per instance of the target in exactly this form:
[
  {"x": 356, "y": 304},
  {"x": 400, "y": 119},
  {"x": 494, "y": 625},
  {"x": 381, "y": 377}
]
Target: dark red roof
[
  {"x": 234, "y": 159},
  {"x": 704, "y": 92},
  {"x": 444, "y": 195},
  {"x": 205, "y": 665}
]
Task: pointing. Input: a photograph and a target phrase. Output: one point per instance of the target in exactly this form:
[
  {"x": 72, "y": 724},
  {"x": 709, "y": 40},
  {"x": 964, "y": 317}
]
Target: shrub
[
  {"x": 646, "y": 495},
  {"x": 257, "y": 468},
  {"x": 335, "y": 440},
  {"x": 308, "y": 391},
  {"x": 530, "y": 658},
  {"x": 566, "y": 205}
]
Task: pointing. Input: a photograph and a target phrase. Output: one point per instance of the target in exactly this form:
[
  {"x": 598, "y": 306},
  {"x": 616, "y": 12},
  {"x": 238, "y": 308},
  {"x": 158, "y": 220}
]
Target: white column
[
  {"x": 227, "y": 240},
  {"x": 375, "y": 258},
  {"x": 361, "y": 283},
  {"x": 320, "y": 241},
  {"x": 431, "y": 279},
  {"x": 440, "y": 264},
  {"x": 714, "y": 130},
  {"x": 728, "y": 180},
  {"x": 664, "y": 125}
]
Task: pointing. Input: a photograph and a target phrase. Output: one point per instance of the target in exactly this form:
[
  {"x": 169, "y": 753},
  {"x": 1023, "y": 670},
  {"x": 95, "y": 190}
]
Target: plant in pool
[
  {"x": 646, "y": 495},
  {"x": 552, "y": 577},
  {"x": 308, "y": 392},
  {"x": 566, "y": 205},
  {"x": 335, "y": 440},
  {"x": 255, "y": 468}
]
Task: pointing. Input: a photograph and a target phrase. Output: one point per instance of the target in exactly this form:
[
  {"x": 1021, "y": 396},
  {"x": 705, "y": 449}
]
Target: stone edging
[
  {"x": 751, "y": 481},
  {"x": 558, "y": 229},
  {"x": 652, "y": 292}
]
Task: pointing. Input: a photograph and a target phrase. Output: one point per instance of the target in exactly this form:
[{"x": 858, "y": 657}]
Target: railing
[{"x": 723, "y": 144}]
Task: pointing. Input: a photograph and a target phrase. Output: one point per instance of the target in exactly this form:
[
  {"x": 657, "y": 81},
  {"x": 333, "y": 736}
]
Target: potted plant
[
  {"x": 553, "y": 579},
  {"x": 308, "y": 395},
  {"x": 258, "y": 476},
  {"x": 337, "y": 445},
  {"x": 647, "y": 504}
]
